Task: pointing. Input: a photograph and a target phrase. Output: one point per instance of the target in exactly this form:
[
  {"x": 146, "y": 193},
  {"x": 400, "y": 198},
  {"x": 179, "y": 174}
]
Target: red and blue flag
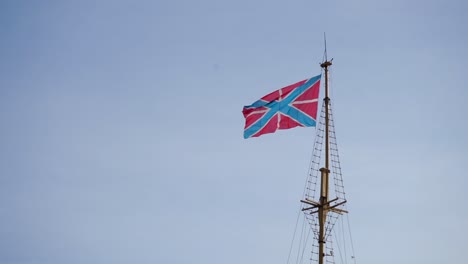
[{"x": 291, "y": 106}]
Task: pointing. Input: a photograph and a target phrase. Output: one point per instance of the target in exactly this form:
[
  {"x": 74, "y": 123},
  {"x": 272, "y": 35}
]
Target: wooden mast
[{"x": 325, "y": 171}]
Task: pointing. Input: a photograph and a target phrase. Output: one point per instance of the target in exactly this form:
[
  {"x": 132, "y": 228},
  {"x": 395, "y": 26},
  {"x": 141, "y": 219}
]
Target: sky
[{"x": 121, "y": 128}]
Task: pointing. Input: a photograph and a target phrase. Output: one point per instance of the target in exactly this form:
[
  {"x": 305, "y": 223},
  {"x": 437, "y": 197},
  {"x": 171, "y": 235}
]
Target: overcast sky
[{"x": 121, "y": 128}]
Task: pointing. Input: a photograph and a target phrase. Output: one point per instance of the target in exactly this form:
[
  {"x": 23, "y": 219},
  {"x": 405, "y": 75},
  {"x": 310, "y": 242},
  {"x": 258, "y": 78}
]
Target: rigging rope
[
  {"x": 294, "y": 234},
  {"x": 339, "y": 248},
  {"x": 344, "y": 240},
  {"x": 351, "y": 240},
  {"x": 304, "y": 247}
]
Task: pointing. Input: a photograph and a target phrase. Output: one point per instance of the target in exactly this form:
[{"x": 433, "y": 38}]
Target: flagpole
[{"x": 325, "y": 171}]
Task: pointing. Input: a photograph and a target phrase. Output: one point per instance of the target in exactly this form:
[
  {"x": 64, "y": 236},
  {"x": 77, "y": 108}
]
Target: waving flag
[{"x": 291, "y": 106}]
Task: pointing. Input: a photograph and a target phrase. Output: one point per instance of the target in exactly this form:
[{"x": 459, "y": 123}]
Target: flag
[{"x": 291, "y": 106}]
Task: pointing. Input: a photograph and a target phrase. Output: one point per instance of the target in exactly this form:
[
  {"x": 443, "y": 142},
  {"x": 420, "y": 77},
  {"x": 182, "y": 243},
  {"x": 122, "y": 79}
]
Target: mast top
[{"x": 325, "y": 64}]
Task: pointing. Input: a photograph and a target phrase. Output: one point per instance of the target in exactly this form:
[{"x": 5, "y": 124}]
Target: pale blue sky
[{"x": 121, "y": 128}]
